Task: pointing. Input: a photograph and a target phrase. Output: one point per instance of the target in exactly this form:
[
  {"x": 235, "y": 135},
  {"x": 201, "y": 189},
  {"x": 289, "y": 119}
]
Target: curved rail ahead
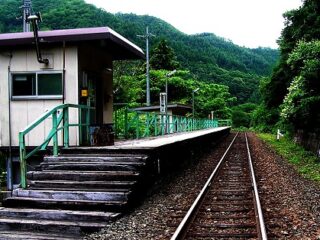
[{"x": 184, "y": 225}]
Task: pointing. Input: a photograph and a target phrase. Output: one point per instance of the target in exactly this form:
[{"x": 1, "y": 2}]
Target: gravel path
[{"x": 291, "y": 203}]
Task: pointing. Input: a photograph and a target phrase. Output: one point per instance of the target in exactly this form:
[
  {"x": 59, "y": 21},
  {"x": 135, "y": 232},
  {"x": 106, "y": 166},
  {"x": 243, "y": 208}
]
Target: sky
[{"x": 249, "y": 23}]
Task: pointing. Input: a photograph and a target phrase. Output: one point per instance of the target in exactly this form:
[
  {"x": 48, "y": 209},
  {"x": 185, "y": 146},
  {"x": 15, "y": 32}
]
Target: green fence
[
  {"x": 135, "y": 124},
  {"x": 60, "y": 122}
]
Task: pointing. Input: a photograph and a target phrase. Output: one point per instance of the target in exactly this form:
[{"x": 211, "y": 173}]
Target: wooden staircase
[{"x": 72, "y": 194}]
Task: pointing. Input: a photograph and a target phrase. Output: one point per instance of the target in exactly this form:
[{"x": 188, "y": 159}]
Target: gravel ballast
[{"x": 290, "y": 203}]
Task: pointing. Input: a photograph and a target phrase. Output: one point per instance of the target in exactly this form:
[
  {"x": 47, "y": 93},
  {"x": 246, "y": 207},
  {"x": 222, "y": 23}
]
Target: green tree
[
  {"x": 301, "y": 105},
  {"x": 242, "y": 114},
  {"x": 163, "y": 57},
  {"x": 300, "y": 24}
]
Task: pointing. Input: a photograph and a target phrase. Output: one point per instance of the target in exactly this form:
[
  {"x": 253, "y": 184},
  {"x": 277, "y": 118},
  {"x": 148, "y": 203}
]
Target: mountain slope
[{"x": 208, "y": 57}]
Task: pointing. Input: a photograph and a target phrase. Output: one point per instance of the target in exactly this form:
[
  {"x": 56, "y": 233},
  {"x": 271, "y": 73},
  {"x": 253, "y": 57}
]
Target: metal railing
[
  {"x": 60, "y": 121},
  {"x": 136, "y": 124}
]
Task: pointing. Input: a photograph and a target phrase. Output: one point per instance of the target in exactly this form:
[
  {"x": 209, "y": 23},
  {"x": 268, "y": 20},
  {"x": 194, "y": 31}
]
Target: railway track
[{"x": 228, "y": 205}]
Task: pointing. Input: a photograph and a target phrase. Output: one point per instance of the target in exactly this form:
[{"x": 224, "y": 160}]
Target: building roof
[
  {"x": 179, "y": 109},
  {"x": 94, "y": 35}
]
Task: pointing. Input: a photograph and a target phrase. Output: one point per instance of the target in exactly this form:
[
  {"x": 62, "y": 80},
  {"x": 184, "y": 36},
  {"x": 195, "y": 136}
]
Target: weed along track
[{"x": 228, "y": 206}]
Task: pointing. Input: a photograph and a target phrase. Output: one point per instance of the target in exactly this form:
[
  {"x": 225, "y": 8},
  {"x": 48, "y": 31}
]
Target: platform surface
[{"x": 159, "y": 141}]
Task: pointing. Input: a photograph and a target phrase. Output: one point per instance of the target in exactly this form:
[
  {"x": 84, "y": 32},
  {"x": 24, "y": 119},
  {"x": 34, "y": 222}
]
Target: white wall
[
  {"x": 23, "y": 112},
  {"x": 4, "y": 110}
]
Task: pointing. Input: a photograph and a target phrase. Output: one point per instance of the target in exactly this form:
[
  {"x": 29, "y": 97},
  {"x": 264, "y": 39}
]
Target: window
[{"x": 39, "y": 85}]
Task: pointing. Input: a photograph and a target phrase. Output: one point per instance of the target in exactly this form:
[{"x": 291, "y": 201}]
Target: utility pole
[
  {"x": 147, "y": 36},
  {"x": 27, "y": 10}
]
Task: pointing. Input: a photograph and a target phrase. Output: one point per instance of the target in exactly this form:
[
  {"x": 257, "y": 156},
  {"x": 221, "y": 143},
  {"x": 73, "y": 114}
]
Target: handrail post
[
  {"x": 147, "y": 125},
  {"x": 156, "y": 125},
  {"x": 66, "y": 127},
  {"x": 55, "y": 135},
  {"x": 126, "y": 122},
  {"x": 80, "y": 126},
  {"x": 23, "y": 170},
  {"x": 88, "y": 124},
  {"x": 115, "y": 125},
  {"x": 138, "y": 125}
]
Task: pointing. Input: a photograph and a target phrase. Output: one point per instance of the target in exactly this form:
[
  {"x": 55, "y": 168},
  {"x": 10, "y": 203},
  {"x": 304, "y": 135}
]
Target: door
[{"x": 88, "y": 97}]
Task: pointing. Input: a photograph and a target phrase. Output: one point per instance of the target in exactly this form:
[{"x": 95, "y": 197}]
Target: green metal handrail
[
  {"x": 137, "y": 124},
  {"x": 58, "y": 119}
]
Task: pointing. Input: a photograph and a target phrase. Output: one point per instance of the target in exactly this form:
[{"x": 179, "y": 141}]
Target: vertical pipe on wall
[
  {"x": 63, "y": 91},
  {"x": 9, "y": 159},
  {"x": 64, "y": 72}
]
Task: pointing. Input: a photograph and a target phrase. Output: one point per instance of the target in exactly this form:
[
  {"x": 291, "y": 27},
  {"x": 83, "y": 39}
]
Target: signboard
[{"x": 163, "y": 103}]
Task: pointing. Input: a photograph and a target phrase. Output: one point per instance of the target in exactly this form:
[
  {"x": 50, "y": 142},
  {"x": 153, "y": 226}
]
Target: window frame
[{"x": 36, "y": 97}]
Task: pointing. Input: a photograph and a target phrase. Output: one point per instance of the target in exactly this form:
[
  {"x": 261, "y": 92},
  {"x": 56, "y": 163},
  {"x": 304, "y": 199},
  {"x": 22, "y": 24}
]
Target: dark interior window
[
  {"x": 50, "y": 84},
  {"x": 24, "y": 84},
  {"x": 33, "y": 85}
]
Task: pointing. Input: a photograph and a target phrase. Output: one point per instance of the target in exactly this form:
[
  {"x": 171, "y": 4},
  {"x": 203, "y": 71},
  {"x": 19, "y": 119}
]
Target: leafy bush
[
  {"x": 301, "y": 105},
  {"x": 242, "y": 114},
  {"x": 263, "y": 119}
]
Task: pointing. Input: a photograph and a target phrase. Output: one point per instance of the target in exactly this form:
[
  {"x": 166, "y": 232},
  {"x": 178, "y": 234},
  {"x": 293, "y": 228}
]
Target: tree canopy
[
  {"x": 163, "y": 57},
  {"x": 291, "y": 96}
]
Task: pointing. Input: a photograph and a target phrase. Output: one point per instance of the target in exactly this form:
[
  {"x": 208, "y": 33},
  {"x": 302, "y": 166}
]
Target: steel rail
[
  {"x": 261, "y": 226},
  {"x": 181, "y": 230}
]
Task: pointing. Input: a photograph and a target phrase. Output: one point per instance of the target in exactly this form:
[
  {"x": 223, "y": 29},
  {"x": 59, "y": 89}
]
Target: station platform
[{"x": 159, "y": 141}]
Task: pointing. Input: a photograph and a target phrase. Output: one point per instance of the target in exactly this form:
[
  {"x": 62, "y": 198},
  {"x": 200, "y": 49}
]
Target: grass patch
[{"x": 306, "y": 162}]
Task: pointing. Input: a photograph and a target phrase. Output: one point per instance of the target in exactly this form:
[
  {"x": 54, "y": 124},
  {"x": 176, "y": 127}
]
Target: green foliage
[
  {"x": 301, "y": 105},
  {"x": 163, "y": 57},
  {"x": 242, "y": 114},
  {"x": 210, "y": 97},
  {"x": 208, "y": 57},
  {"x": 305, "y": 162},
  {"x": 128, "y": 80},
  {"x": 300, "y": 24},
  {"x": 294, "y": 88},
  {"x": 263, "y": 119}
]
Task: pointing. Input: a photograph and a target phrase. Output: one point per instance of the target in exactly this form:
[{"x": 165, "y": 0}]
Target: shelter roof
[
  {"x": 98, "y": 35},
  {"x": 178, "y": 109}
]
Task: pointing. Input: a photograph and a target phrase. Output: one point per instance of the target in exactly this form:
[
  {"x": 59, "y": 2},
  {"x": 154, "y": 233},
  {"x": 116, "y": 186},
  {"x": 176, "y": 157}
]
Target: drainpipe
[
  {"x": 64, "y": 71},
  {"x": 35, "y": 19},
  {"x": 63, "y": 85},
  {"x": 9, "y": 159}
]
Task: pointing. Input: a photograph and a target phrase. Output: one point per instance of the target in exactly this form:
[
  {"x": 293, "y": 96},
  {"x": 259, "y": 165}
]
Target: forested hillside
[
  {"x": 208, "y": 57},
  {"x": 291, "y": 97}
]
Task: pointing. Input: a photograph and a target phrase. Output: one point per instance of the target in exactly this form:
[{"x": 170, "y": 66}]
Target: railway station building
[{"x": 79, "y": 72}]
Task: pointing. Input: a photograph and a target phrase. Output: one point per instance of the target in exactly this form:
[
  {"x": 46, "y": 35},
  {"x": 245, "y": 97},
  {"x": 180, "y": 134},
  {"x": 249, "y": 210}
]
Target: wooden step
[
  {"x": 71, "y": 195},
  {"x": 95, "y": 158},
  {"x": 82, "y": 175},
  {"x": 104, "y": 151},
  {"x": 74, "y": 227},
  {"x": 92, "y": 166},
  {"x": 113, "y": 206},
  {"x": 81, "y": 185},
  {"x": 53, "y": 214},
  {"x": 123, "y": 190},
  {"x": 13, "y": 235}
]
